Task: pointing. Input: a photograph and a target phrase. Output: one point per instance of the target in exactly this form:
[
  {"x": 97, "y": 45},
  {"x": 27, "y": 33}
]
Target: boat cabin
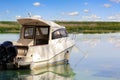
[{"x": 38, "y": 32}]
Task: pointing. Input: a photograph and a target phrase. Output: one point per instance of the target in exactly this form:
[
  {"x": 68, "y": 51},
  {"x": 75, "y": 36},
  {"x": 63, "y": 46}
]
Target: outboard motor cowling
[{"x": 7, "y": 52}]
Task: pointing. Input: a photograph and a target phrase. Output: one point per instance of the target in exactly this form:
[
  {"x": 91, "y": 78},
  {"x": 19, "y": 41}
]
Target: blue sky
[{"x": 70, "y": 10}]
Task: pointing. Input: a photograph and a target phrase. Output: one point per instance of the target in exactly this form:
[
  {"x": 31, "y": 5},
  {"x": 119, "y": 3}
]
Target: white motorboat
[{"x": 41, "y": 43}]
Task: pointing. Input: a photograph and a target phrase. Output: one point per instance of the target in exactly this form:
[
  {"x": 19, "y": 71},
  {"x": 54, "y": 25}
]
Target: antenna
[{"x": 29, "y": 14}]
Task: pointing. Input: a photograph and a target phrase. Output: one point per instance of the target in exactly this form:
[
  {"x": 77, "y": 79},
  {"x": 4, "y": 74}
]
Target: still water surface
[{"x": 95, "y": 57}]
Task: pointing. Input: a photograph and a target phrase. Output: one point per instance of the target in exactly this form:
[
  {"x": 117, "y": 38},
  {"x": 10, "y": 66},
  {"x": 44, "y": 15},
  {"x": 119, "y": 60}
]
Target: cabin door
[{"x": 41, "y": 35}]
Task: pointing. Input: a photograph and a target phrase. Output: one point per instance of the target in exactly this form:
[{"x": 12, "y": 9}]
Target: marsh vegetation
[
  {"x": 91, "y": 27},
  {"x": 71, "y": 26},
  {"x": 9, "y": 27}
]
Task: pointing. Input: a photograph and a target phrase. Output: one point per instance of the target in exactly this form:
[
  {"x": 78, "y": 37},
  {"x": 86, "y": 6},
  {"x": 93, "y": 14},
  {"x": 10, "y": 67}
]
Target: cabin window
[
  {"x": 42, "y": 35},
  {"x": 28, "y": 34},
  {"x": 44, "y": 31},
  {"x": 63, "y": 33},
  {"x": 59, "y": 34},
  {"x": 56, "y": 35}
]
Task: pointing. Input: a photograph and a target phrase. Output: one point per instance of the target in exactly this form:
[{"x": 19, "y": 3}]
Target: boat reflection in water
[{"x": 58, "y": 72}]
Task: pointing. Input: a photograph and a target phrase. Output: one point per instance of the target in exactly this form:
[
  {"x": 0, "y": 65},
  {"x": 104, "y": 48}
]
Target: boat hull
[{"x": 60, "y": 58}]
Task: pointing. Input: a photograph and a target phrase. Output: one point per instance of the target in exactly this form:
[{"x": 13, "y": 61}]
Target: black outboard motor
[{"x": 7, "y": 52}]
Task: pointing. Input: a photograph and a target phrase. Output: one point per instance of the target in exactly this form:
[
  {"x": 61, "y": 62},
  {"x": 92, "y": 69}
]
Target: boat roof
[{"x": 39, "y": 22}]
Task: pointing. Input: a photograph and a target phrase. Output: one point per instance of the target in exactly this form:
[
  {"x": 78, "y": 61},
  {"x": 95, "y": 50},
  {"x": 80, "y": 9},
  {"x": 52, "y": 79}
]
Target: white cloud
[
  {"x": 86, "y": 10},
  {"x": 63, "y": 13},
  {"x": 116, "y": 1},
  {"x": 86, "y": 3},
  {"x": 73, "y": 13},
  {"x": 107, "y": 5},
  {"x": 36, "y": 4},
  {"x": 92, "y": 17},
  {"x": 18, "y": 16},
  {"x": 115, "y": 17},
  {"x": 7, "y": 11}
]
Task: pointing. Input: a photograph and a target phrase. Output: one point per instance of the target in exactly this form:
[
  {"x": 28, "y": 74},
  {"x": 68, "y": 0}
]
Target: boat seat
[
  {"x": 22, "y": 50},
  {"x": 41, "y": 41}
]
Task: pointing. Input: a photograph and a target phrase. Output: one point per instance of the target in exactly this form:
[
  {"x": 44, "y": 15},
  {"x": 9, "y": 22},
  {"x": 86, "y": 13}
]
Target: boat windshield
[{"x": 60, "y": 33}]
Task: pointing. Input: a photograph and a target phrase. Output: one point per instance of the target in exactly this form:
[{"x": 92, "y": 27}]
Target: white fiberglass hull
[
  {"x": 56, "y": 51},
  {"x": 59, "y": 58}
]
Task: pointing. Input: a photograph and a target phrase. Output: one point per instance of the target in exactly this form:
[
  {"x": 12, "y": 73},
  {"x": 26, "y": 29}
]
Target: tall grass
[
  {"x": 92, "y": 27},
  {"x": 71, "y": 26},
  {"x": 9, "y": 27}
]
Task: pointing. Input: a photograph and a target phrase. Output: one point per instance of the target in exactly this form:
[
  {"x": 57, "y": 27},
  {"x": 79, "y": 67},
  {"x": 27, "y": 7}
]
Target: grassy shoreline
[
  {"x": 92, "y": 27},
  {"x": 71, "y": 26},
  {"x": 9, "y": 27}
]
